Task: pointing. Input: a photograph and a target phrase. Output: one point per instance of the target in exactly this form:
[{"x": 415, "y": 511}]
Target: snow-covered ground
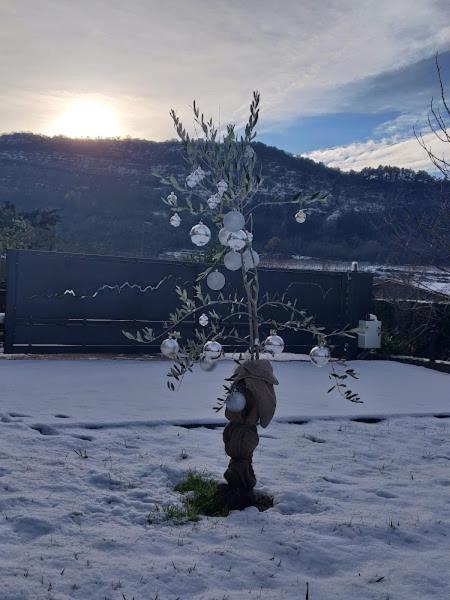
[
  {"x": 362, "y": 510},
  {"x": 124, "y": 391}
]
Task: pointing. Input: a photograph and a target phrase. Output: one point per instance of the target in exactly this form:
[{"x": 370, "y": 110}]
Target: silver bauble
[
  {"x": 212, "y": 350},
  {"x": 215, "y": 280},
  {"x": 300, "y": 216},
  {"x": 274, "y": 344},
  {"x": 200, "y": 234},
  {"x": 223, "y": 236},
  {"x": 232, "y": 260},
  {"x": 250, "y": 259},
  {"x": 170, "y": 347},
  {"x": 203, "y": 320},
  {"x": 237, "y": 240},
  {"x": 175, "y": 220},
  {"x": 235, "y": 401},
  {"x": 213, "y": 201},
  {"x": 233, "y": 221},
  {"x": 320, "y": 356},
  {"x": 222, "y": 187}
]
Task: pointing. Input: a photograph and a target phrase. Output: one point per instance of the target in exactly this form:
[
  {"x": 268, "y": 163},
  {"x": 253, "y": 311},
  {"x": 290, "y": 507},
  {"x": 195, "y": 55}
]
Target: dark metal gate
[{"x": 59, "y": 302}]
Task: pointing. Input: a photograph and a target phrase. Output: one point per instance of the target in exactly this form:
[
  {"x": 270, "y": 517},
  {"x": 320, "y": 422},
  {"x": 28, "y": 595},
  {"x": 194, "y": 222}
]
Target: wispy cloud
[
  {"x": 145, "y": 57},
  {"x": 406, "y": 153}
]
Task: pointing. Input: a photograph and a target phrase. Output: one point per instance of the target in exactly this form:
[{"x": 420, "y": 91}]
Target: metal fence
[{"x": 58, "y": 302}]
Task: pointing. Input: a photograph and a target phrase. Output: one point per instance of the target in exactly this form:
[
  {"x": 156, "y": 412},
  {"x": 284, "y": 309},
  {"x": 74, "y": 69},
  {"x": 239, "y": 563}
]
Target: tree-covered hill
[{"x": 109, "y": 199}]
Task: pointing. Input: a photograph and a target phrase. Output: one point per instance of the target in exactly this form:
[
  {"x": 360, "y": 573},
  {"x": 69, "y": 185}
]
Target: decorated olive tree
[{"x": 221, "y": 191}]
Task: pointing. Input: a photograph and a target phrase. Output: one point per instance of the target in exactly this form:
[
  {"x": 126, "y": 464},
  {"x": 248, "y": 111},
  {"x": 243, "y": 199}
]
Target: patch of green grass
[{"x": 199, "y": 499}]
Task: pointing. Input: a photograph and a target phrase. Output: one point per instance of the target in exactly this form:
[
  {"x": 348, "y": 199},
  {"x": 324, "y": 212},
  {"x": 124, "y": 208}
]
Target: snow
[
  {"x": 360, "y": 510},
  {"x": 129, "y": 391}
]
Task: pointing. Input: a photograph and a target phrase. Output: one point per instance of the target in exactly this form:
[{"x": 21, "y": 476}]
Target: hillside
[{"x": 110, "y": 201}]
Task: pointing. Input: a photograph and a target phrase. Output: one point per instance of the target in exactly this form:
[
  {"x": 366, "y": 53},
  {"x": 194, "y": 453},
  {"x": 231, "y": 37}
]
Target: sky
[{"x": 341, "y": 81}]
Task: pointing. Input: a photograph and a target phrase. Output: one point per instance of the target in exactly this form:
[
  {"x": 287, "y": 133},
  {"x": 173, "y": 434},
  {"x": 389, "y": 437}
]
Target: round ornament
[
  {"x": 170, "y": 347},
  {"x": 215, "y": 280},
  {"x": 237, "y": 241},
  {"x": 203, "y": 320},
  {"x": 175, "y": 220},
  {"x": 274, "y": 344},
  {"x": 250, "y": 259},
  {"x": 212, "y": 350},
  {"x": 222, "y": 187},
  {"x": 233, "y": 221},
  {"x": 172, "y": 199},
  {"x": 200, "y": 234},
  {"x": 223, "y": 236},
  {"x": 300, "y": 216},
  {"x": 320, "y": 356},
  {"x": 206, "y": 365},
  {"x": 232, "y": 260},
  {"x": 235, "y": 401},
  {"x": 213, "y": 201}
]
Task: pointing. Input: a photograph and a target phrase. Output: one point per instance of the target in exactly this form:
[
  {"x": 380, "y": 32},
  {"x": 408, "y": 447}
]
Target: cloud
[
  {"x": 406, "y": 153},
  {"x": 146, "y": 56}
]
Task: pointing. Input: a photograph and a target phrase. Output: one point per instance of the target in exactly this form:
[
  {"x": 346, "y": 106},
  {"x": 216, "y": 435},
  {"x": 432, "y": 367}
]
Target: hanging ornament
[
  {"x": 222, "y": 187},
  {"x": 200, "y": 234},
  {"x": 249, "y": 235},
  {"x": 207, "y": 365},
  {"x": 213, "y": 201},
  {"x": 203, "y": 320},
  {"x": 274, "y": 344},
  {"x": 235, "y": 401},
  {"x": 250, "y": 259},
  {"x": 172, "y": 199},
  {"x": 233, "y": 221},
  {"x": 170, "y": 347},
  {"x": 237, "y": 241},
  {"x": 195, "y": 177},
  {"x": 212, "y": 350},
  {"x": 215, "y": 280},
  {"x": 224, "y": 234},
  {"x": 175, "y": 220},
  {"x": 300, "y": 216},
  {"x": 232, "y": 260},
  {"x": 320, "y": 356}
]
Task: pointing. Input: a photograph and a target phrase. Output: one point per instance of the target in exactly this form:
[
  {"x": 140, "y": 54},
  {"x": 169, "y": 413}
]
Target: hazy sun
[{"x": 86, "y": 118}]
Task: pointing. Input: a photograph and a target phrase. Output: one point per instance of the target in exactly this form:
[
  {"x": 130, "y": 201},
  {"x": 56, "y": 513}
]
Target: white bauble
[
  {"x": 203, "y": 320},
  {"x": 233, "y": 221},
  {"x": 300, "y": 216},
  {"x": 172, "y": 199},
  {"x": 213, "y": 201},
  {"x": 215, "y": 280},
  {"x": 170, "y": 347},
  {"x": 175, "y": 220},
  {"x": 200, "y": 234},
  {"x": 212, "y": 350},
  {"x": 206, "y": 365},
  {"x": 235, "y": 401},
  {"x": 237, "y": 241},
  {"x": 320, "y": 356},
  {"x": 222, "y": 187},
  {"x": 274, "y": 344},
  {"x": 250, "y": 259},
  {"x": 223, "y": 236},
  {"x": 232, "y": 260}
]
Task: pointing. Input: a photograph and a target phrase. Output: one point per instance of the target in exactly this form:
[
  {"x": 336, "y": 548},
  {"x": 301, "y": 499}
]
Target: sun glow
[{"x": 86, "y": 118}]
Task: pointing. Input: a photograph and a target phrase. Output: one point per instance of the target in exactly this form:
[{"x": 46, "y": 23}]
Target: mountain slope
[{"x": 110, "y": 201}]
